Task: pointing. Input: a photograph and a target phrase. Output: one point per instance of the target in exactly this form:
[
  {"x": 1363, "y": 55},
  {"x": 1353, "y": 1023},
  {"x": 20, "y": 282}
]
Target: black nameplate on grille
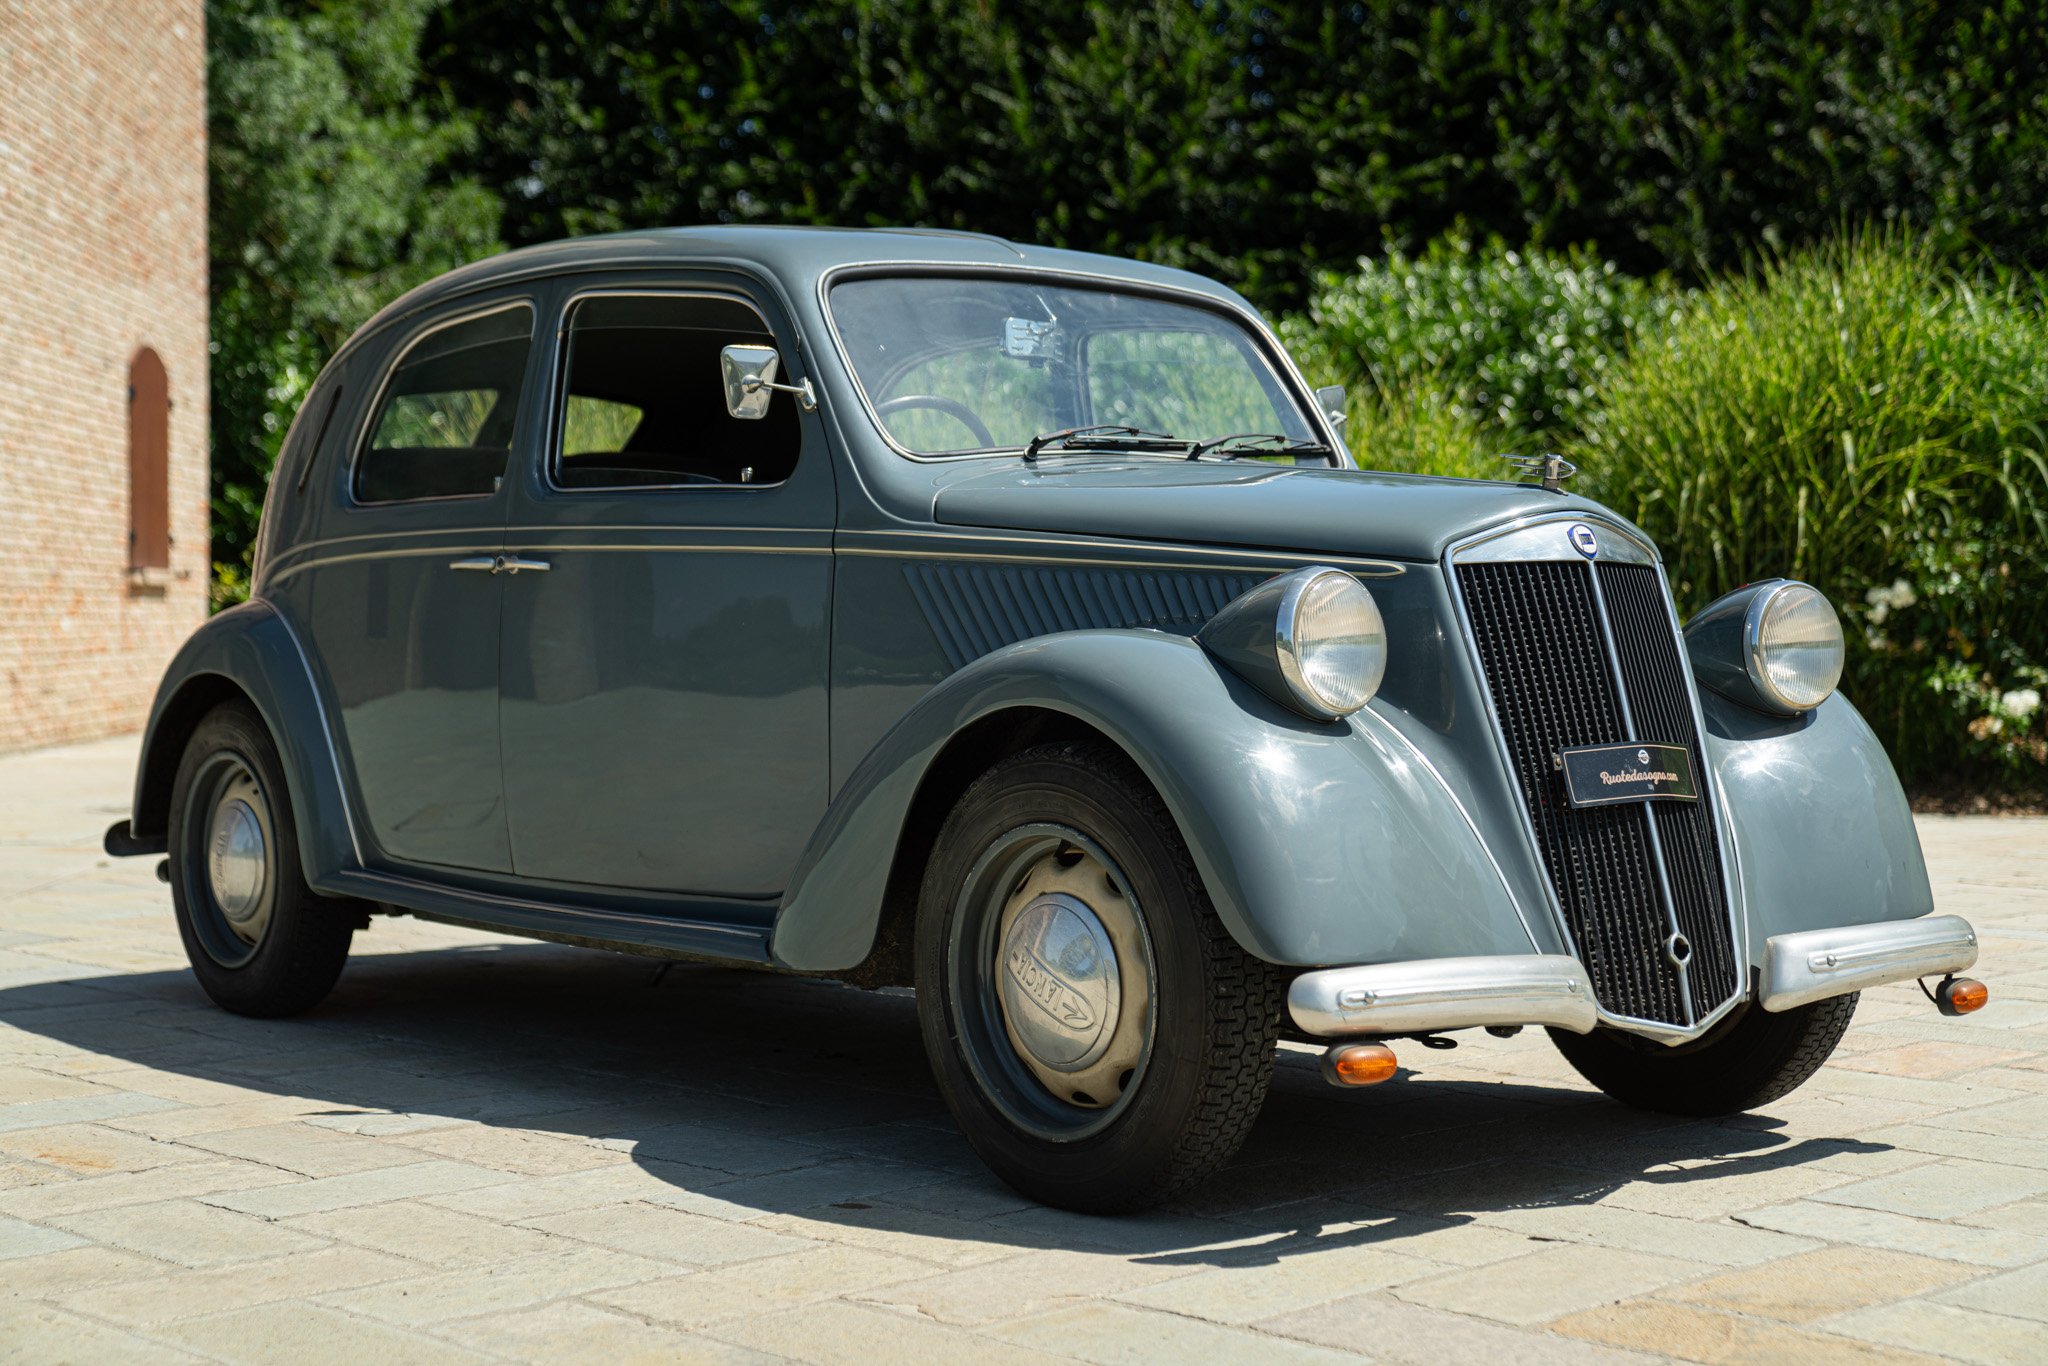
[{"x": 1597, "y": 775}]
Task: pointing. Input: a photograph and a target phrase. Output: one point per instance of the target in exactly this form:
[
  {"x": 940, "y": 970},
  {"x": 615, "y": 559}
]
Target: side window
[
  {"x": 643, "y": 397},
  {"x": 443, "y": 428}
]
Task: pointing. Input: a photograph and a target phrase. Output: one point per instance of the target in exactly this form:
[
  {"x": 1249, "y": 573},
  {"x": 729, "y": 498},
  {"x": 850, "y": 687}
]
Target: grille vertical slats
[
  {"x": 1536, "y": 627},
  {"x": 1655, "y": 679}
]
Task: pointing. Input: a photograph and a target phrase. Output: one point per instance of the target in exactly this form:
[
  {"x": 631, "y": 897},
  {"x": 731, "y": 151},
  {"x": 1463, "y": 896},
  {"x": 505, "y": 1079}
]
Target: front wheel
[
  {"x": 260, "y": 940},
  {"x": 1754, "y": 1060},
  {"x": 1101, "y": 1039}
]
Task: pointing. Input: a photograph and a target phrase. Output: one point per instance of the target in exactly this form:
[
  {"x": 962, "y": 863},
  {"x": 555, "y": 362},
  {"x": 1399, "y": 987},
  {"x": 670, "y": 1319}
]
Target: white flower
[
  {"x": 2021, "y": 703},
  {"x": 1885, "y": 601}
]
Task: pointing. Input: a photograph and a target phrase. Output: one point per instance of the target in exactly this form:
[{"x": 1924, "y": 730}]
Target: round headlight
[
  {"x": 1794, "y": 647},
  {"x": 1332, "y": 642}
]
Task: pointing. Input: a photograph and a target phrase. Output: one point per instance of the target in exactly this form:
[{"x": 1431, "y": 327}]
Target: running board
[{"x": 590, "y": 927}]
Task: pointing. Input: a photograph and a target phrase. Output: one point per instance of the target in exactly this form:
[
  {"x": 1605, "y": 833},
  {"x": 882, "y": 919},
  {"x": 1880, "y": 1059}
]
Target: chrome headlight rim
[
  {"x": 1292, "y": 642},
  {"x": 1756, "y": 648}
]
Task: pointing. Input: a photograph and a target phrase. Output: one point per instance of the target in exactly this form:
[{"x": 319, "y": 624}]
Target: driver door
[{"x": 663, "y": 698}]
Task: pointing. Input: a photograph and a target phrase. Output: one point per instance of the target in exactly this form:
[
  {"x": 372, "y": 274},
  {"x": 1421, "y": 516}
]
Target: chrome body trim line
[
  {"x": 1079, "y": 550},
  {"x": 491, "y": 561},
  {"x": 1812, "y": 965},
  {"x": 1431, "y": 994}
]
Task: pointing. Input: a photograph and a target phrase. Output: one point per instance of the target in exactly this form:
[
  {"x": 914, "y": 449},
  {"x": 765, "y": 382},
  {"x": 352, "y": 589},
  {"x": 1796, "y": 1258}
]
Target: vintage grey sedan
[{"x": 917, "y": 608}]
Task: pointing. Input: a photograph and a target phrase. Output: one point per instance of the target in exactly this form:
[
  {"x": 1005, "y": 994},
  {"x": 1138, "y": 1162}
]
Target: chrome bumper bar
[
  {"x": 1444, "y": 993},
  {"x": 1812, "y": 965},
  {"x": 1553, "y": 989}
]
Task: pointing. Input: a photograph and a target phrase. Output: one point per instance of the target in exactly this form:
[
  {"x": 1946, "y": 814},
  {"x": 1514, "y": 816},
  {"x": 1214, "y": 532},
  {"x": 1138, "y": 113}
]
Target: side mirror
[
  {"x": 1330, "y": 398},
  {"x": 750, "y": 382}
]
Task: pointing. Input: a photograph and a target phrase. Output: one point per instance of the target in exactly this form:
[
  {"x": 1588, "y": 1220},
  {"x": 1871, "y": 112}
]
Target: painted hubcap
[
  {"x": 1059, "y": 982},
  {"x": 1073, "y": 978}
]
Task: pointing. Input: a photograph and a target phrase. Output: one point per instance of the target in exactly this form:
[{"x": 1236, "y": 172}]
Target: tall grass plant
[{"x": 1868, "y": 419}]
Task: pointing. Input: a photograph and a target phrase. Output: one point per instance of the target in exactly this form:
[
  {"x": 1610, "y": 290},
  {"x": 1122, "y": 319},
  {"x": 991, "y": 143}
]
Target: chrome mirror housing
[
  {"x": 750, "y": 385},
  {"x": 1330, "y": 398}
]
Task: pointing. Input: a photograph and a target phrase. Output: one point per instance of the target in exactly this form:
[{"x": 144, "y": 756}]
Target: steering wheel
[{"x": 960, "y": 412}]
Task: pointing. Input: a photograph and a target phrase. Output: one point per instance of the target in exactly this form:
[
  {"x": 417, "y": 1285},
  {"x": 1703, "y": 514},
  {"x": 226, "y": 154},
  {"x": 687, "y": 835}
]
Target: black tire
[
  {"x": 1751, "y": 1061},
  {"x": 278, "y": 949},
  {"x": 1214, "y": 1009}
]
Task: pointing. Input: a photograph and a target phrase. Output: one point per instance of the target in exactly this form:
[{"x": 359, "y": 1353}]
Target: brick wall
[{"x": 102, "y": 252}]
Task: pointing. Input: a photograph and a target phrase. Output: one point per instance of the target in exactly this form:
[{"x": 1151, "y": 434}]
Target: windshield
[{"x": 956, "y": 365}]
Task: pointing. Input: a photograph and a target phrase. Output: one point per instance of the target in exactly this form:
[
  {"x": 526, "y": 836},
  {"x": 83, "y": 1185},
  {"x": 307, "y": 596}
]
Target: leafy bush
[
  {"x": 1517, "y": 339},
  {"x": 330, "y": 193},
  {"x": 1866, "y": 419},
  {"x": 1424, "y": 430}
]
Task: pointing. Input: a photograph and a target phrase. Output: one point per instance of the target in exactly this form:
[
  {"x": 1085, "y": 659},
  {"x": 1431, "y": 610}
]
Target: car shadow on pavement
[{"x": 748, "y": 1094}]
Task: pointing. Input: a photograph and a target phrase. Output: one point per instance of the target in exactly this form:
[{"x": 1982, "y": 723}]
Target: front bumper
[
  {"x": 1553, "y": 990},
  {"x": 1815, "y": 964}
]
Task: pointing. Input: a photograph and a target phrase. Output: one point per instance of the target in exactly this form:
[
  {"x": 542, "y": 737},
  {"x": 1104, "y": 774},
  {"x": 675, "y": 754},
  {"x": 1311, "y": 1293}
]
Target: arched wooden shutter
[{"x": 149, "y": 462}]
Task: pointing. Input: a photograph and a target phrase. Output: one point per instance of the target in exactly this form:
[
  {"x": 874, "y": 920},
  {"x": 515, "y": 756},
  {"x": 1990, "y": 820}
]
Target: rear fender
[
  {"x": 1317, "y": 842},
  {"x": 250, "y": 652}
]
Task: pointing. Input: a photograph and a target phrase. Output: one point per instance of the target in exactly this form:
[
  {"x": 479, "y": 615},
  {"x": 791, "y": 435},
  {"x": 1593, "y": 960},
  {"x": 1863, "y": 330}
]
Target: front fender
[
  {"x": 250, "y": 649},
  {"x": 1318, "y": 843},
  {"x": 1823, "y": 833}
]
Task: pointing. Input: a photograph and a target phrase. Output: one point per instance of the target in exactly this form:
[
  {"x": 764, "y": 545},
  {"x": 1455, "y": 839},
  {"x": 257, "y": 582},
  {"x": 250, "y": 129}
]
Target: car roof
[{"x": 797, "y": 256}]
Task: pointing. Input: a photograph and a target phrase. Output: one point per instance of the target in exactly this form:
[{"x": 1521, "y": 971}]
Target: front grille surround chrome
[{"x": 1543, "y": 538}]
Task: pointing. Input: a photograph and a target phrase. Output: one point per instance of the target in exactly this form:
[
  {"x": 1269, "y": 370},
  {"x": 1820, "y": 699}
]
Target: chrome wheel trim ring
[{"x": 1050, "y": 888}]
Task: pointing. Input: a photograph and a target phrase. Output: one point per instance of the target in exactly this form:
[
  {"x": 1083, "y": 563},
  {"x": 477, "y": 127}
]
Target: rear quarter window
[{"x": 444, "y": 422}]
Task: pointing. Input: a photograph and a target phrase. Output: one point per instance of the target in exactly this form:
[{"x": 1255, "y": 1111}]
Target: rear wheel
[
  {"x": 1099, "y": 1036},
  {"x": 260, "y": 940},
  {"x": 1759, "y": 1057}
]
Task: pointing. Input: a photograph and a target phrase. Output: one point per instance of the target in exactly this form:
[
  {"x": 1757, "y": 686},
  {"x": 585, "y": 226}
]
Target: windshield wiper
[
  {"x": 1106, "y": 437},
  {"x": 1276, "y": 442}
]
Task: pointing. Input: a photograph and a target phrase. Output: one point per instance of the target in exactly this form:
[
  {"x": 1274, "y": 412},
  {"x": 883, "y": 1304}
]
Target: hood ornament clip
[{"x": 1554, "y": 468}]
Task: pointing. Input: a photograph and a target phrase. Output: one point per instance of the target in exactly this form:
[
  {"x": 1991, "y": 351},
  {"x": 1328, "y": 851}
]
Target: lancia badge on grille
[{"x": 1583, "y": 540}]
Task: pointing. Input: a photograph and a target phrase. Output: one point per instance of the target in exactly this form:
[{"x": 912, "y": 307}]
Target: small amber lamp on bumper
[
  {"x": 1960, "y": 995},
  {"x": 1359, "y": 1064}
]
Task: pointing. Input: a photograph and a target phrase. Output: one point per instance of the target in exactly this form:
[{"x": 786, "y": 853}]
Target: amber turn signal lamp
[
  {"x": 1961, "y": 995},
  {"x": 1359, "y": 1064}
]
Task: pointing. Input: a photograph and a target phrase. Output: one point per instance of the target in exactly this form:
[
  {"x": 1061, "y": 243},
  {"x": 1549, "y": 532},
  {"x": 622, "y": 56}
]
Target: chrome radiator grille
[{"x": 1626, "y": 876}]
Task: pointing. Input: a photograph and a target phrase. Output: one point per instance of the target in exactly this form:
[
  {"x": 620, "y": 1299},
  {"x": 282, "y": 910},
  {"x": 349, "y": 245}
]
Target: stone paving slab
[{"x": 484, "y": 1149}]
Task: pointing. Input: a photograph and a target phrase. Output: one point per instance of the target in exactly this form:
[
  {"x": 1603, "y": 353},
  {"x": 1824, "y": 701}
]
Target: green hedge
[
  {"x": 1262, "y": 140},
  {"x": 361, "y": 145}
]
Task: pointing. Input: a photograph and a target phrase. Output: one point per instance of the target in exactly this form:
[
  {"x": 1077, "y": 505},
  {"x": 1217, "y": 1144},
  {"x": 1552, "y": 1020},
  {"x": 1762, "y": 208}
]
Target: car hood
[{"x": 1336, "y": 512}]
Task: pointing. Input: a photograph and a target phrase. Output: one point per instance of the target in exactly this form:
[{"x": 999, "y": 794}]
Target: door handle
[
  {"x": 487, "y": 563},
  {"x": 512, "y": 564}
]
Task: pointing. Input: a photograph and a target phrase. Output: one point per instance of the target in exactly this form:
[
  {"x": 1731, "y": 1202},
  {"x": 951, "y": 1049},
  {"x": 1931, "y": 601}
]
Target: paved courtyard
[{"x": 484, "y": 1149}]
